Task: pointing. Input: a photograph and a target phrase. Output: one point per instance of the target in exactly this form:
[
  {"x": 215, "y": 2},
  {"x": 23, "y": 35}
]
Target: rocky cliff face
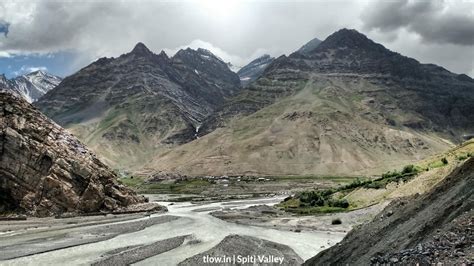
[
  {"x": 130, "y": 107},
  {"x": 30, "y": 86},
  {"x": 44, "y": 170}
]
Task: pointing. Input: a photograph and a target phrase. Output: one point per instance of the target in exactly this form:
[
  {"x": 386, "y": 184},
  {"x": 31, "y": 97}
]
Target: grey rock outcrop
[
  {"x": 44, "y": 170},
  {"x": 249, "y": 247}
]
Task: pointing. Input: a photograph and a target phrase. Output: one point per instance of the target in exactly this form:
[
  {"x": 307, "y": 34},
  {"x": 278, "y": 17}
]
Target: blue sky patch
[
  {"x": 55, "y": 63},
  {"x": 4, "y": 27}
]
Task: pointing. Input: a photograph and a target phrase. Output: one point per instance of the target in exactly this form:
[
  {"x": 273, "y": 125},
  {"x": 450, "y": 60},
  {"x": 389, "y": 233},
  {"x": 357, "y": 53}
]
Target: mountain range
[
  {"x": 346, "y": 105},
  {"x": 350, "y": 106},
  {"x": 30, "y": 86},
  {"x": 130, "y": 107}
]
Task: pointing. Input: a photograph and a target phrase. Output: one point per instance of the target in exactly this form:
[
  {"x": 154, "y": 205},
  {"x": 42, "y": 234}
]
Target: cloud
[
  {"x": 109, "y": 28},
  {"x": 29, "y": 69},
  {"x": 236, "y": 60},
  {"x": 4, "y": 27},
  {"x": 235, "y": 30},
  {"x": 5, "y": 54},
  {"x": 443, "y": 22}
]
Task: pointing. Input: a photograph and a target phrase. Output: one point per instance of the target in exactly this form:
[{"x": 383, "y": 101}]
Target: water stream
[{"x": 194, "y": 220}]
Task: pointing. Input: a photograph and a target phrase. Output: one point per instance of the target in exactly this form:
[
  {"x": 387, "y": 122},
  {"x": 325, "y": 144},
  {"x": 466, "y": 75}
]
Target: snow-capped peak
[{"x": 31, "y": 86}]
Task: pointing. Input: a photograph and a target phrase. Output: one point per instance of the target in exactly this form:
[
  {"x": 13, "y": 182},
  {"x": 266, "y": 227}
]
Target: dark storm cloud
[
  {"x": 54, "y": 24},
  {"x": 243, "y": 29},
  {"x": 4, "y": 27},
  {"x": 435, "y": 21},
  {"x": 236, "y": 30}
]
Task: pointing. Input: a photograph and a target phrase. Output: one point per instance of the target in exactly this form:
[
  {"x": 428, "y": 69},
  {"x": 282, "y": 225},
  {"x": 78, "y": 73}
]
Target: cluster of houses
[{"x": 225, "y": 179}]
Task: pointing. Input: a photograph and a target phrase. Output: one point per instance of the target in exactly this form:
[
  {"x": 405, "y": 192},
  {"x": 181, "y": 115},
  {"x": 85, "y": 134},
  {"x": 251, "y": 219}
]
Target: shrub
[
  {"x": 355, "y": 184},
  {"x": 444, "y": 160},
  {"x": 390, "y": 174},
  {"x": 343, "y": 203},
  {"x": 409, "y": 169},
  {"x": 312, "y": 197},
  {"x": 375, "y": 185}
]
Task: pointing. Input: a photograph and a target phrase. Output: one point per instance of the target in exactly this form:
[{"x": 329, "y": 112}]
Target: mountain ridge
[
  {"x": 339, "y": 110},
  {"x": 140, "y": 101},
  {"x": 31, "y": 86}
]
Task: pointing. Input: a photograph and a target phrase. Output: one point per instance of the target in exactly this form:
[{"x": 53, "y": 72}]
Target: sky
[{"x": 63, "y": 36}]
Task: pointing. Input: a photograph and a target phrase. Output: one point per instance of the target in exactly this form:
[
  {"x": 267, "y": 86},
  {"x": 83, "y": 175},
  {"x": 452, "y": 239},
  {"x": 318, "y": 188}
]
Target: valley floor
[{"x": 158, "y": 239}]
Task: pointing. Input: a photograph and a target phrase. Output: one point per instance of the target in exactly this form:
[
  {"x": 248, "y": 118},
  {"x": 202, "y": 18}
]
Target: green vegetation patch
[
  {"x": 407, "y": 173},
  {"x": 132, "y": 182},
  {"x": 312, "y": 202},
  {"x": 332, "y": 200},
  {"x": 464, "y": 156},
  {"x": 439, "y": 163}
]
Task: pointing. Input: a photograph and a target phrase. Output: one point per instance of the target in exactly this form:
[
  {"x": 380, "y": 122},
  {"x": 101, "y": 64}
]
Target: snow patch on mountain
[{"x": 30, "y": 86}]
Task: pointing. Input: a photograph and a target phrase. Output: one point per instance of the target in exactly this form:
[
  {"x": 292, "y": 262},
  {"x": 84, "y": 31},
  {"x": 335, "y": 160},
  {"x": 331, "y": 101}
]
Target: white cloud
[
  {"x": 29, "y": 69},
  {"x": 5, "y": 54},
  {"x": 237, "y": 31},
  {"x": 236, "y": 60}
]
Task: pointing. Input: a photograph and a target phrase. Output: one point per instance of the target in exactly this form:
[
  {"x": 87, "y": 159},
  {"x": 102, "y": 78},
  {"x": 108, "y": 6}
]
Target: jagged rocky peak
[
  {"x": 349, "y": 51},
  {"x": 206, "y": 52},
  {"x": 163, "y": 55},
  {"x": 309, "y": 46},
  {"x": 37, "y": 73},
  {"x": 46, "y": 171},
  {"x": 141, "y": 50},
  {"x": 204, "y": 62},
  {"x": 43, "y": 80},
  {"x": 183, "y": 52},
  {"x": 198, "y": 54},
  {"x": 349, "y": 38}
]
